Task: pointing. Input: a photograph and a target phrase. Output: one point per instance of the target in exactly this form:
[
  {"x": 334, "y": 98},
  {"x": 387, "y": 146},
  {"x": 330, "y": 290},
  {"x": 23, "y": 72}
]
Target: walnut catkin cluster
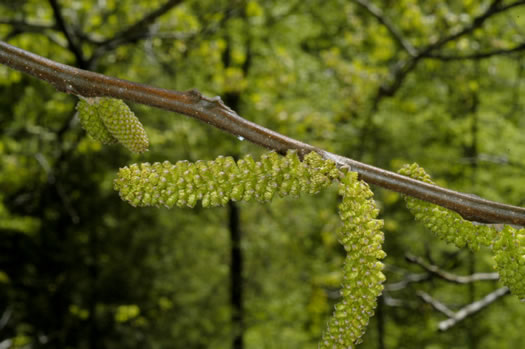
[
  {"x": 362, "y": 239},
  {"x": 216, "y": 182},
  {"x": 444, "y": 223},
  {"x": 111, "y": 121}
]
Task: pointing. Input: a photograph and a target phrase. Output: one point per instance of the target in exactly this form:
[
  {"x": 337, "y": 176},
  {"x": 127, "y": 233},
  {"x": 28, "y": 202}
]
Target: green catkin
[
  {"x": 91, "y": 122},
  {"x": 509, "y": 256},
  {"x": 110, "y": 121},
  {"x": 362, "y": 239},
  {"x": 122, "y": 123},
  {"x": 508, "y": 246},
  {"x": 446, "y": 224},
  {"x": 216, "y": 182}
]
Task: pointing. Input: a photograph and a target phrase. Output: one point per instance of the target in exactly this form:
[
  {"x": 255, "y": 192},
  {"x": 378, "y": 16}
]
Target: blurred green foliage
[{"x": 81, "y": 269}]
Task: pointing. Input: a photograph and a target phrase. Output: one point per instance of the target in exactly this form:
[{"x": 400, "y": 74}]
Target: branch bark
[{"x": 214, "y": 112}]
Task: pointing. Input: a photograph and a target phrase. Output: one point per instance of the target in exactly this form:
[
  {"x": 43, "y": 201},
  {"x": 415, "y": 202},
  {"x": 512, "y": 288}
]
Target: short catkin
[
  {"x": 110, "y": 121},
  {"x": 122, "y": 123},
  {"x": 91, "y": 122}
]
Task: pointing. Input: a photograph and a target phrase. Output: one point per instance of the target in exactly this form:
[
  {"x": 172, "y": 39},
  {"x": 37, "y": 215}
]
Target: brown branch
[
  {"x": 445, "y": 275},
  {"x": 455, "y": 317},
  {"x": 396, "y": 34},
  {"x": 214, "y": 112}
]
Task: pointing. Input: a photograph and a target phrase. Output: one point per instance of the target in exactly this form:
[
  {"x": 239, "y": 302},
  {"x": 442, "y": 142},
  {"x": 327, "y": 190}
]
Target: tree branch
[
  {"x": 445, "y": 275},
  {"x": 25, "y": 26},
  {"x": 134, "y": 31},
  {"x": 407, "y": 280},
  {"x": 477, "y": 56},
  {"x": 492, "y": 10},
  {"x": 473, "y": 308},
  {"x": 442, "y": 308},
  {"x": 61, "y": 24},
  {"x": 396, "y": 34},
  {"x": 406, "y": 66},
  {"x": 214, "y": 112},
  {"x": 455, "y": 317},
  {"x": 401, "y": 70}
]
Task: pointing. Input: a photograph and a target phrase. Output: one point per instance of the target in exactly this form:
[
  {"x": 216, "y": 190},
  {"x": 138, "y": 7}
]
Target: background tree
[{"x": 384, "y": 82}]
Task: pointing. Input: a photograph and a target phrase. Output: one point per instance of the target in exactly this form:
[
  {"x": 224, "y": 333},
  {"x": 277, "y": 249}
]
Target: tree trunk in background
[
  {"x": 236, "y": 286},
  {"x": 380, "y": 318}
]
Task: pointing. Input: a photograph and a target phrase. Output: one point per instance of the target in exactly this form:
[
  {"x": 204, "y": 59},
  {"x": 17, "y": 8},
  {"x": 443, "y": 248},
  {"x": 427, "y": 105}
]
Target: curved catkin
[
  {"x": 216, "y": 182},
  {"x": 362, "y": 239},
  {"x": 122, "y": 123},
  {"x": 90, "y": 120},
  {"x": 446, "y": 224},
  {"x": 509, "y": 256},
  {"x": 508, "y": 246}
]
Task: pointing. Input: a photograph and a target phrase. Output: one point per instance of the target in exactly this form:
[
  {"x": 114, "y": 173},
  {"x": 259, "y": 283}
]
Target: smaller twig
[
  {"x": 445, "y": 275},
  {"x": 442, "y": 308},
  {"x": 64, "y": 28},
  {"x": 477, "y": 22},
  {"x": 21, "y": 26},
  {"x": 476, "y": 56},
  {"x": 473, "y": 308},
  {"x": 494, "y": 159},
  {"x": 6, "y": 316},
  {"x": 407, "y": 280},
  {"x": 394, "y": 302},
  {"x": 26, "y": 26},
  {"x": 66, "y": 201},
  {"x": 6, "y": 343},
  {"x": 396, "y": 34},
  {"x": 133, "y": 32}
]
